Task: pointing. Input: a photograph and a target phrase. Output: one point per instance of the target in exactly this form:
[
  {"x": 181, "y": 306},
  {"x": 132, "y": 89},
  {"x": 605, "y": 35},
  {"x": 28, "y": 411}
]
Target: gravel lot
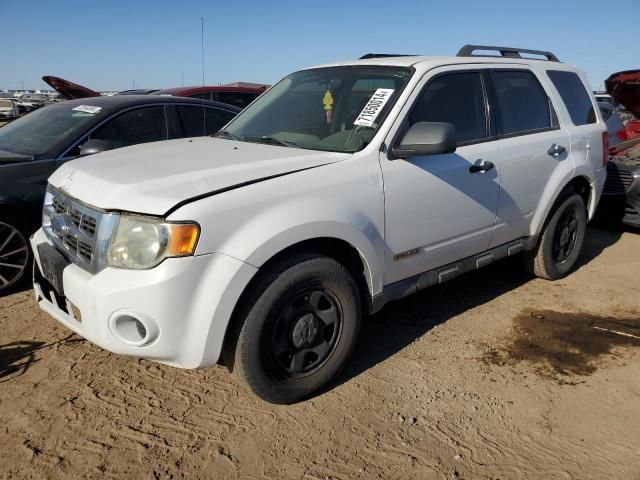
[{"x": 492, "y": 376}]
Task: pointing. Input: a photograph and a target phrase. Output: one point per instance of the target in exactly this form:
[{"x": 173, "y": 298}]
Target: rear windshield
[
  {"x": 38, "y": 132},
  {"x": 6, "y": 103}
]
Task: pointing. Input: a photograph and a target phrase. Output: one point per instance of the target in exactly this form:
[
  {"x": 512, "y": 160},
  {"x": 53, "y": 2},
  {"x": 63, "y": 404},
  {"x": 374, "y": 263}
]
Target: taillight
[{"x": 605, "y": 148}]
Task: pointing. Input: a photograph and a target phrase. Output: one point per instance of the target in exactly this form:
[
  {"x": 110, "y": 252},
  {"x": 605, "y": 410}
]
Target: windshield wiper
[
  {"x": 271, "y": 141},
  {"x": 225, "y": 134}
]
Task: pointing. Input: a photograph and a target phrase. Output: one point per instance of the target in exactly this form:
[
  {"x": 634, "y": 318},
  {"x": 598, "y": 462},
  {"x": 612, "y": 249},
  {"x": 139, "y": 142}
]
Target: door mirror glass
[
  {"x": 95, "y": 146},
  {"x": 426, "y": 138}
]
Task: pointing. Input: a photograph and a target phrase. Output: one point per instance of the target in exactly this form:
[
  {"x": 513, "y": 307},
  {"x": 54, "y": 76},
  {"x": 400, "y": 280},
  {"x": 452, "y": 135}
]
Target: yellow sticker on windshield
[{"x": 327, "y": 101}]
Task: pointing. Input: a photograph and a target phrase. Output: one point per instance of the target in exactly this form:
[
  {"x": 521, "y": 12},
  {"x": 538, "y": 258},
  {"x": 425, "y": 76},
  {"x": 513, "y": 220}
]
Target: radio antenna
[{"x": 204, "y": 119}]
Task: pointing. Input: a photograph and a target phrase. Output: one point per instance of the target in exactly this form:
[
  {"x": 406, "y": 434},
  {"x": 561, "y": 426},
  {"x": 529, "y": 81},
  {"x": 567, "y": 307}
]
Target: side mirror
[
  {"x": 95, "y": 146},
  {"x": 425, "y": 138}
]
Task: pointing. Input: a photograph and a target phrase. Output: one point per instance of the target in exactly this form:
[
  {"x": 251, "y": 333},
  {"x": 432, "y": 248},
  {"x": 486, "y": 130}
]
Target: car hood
[
  {"x": 69, "y": 90},
  {"x": 155, "y": 177},
  {"x": 624, "y": 87}
]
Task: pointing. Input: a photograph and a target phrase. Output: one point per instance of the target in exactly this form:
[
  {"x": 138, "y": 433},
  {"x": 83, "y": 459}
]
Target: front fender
[{"x": 270, "y": 232}]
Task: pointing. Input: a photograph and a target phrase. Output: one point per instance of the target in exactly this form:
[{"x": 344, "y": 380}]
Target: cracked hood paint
[{"x": 152, "y": 178}]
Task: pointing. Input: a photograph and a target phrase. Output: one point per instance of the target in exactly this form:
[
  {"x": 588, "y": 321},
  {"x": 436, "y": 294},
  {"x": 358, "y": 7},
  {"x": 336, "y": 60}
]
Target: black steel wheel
[
  {"x": 294, "y": 329},
  {"x": 565, "y": 235},
  {"x": 305, "y": 331},
  {"x": 560, "y": 240},
  {"x": 15, "y": 255}
]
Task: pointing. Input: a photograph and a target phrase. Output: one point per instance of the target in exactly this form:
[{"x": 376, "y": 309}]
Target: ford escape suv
[{"x": 341, "y": 188}]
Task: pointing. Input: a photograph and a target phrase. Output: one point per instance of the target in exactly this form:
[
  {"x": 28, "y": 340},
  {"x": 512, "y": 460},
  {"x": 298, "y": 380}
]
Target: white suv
[{"x": 342, "y": 188}]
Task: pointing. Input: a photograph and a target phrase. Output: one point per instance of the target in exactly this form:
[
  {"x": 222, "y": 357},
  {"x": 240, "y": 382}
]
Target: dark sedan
[{"x": 32, "y": 147}]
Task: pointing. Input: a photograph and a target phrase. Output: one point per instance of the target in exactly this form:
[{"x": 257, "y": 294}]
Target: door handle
[
  {"x": 483, "y": 167},
  {"x": 556, "y": 150}
]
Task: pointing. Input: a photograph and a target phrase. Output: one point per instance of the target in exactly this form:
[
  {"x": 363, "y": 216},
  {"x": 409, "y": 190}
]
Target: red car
[{"x": 239, "y": 94}]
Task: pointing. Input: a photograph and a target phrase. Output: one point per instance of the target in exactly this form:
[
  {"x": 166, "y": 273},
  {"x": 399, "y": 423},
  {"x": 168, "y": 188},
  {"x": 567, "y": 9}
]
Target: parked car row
[
  {"x": 342, "y": 188},
  {"x": 239, "y": 94}
]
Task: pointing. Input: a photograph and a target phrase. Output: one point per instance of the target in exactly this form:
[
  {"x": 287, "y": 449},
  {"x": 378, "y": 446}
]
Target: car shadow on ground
[
  {"x": 17, "y": 357},
  {"x": 401, "y": 322}
]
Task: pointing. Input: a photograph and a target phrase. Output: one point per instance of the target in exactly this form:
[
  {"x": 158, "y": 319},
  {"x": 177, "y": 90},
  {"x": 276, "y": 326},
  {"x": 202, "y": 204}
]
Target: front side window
[
  {"x": 574, "y": 95},
  {"x": 142, "y": 125},
  {"x": 332, "y": 109},
  {"x": 523, "y": 105},
  {"x": 458, "y": 99}
]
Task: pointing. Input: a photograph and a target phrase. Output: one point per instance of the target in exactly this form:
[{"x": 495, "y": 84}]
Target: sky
[{"x": 116, "y": 45}]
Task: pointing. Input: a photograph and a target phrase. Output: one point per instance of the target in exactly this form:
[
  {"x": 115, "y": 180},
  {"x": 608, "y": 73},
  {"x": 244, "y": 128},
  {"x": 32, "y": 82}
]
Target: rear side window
[
  {"x": 135, "y": 126},
  {"x": 458, "y": 99},
  {"x": 574, "y": 95},
  {"x": 195, "y": 124},
  {"x": 523, "y": 105}
]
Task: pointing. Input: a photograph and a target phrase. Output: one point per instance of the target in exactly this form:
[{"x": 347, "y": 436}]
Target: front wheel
[
  {"x": 560, "y": 241},
  {"x": 296, "y": 329},
  {"x": 15, "y": 254}
]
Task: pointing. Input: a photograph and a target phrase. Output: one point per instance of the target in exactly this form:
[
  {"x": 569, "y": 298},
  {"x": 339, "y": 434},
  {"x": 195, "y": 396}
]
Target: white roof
[{"x": 430, "y": 62}]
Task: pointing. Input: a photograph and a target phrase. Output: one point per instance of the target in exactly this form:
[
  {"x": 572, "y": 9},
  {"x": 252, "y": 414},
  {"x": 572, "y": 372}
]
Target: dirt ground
[{"x": 492, "y": 376}]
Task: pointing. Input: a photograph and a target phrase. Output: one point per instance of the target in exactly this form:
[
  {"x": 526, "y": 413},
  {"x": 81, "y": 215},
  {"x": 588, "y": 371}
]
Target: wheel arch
[
  {"x": 580, "y": 185},
  {"x": 336, "y": 248}
]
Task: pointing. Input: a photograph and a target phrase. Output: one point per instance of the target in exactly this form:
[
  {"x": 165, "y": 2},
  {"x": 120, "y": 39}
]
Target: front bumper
[{"x": 184, "y": 304}]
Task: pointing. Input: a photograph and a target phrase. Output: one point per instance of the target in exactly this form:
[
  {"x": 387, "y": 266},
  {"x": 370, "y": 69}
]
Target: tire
[
  {"x": 561, "y": 240},
  {"x": 295, "y": 330},
  {"x": 15, "y": 254}
]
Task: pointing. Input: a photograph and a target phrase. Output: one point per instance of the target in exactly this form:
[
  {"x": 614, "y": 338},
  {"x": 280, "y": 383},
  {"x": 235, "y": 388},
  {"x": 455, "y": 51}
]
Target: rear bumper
[{"x": 184, "y": 305}]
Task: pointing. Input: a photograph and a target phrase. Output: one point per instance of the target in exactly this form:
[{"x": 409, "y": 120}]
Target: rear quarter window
[
  {"x": 574, "y": 95},
  {"x": 523, "y": 105}
]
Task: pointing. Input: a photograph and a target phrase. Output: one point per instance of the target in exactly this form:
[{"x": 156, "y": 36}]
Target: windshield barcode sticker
[
  {"x": 87, "y": 109},
  {"x": 373, "y": 107}
]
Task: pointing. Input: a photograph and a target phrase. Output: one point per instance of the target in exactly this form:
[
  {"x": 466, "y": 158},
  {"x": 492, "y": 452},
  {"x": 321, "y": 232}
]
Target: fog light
[{"x": 133, "y": 329}]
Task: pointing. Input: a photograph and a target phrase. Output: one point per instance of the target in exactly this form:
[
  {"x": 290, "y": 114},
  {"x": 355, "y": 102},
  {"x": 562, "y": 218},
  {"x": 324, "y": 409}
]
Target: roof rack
[
  {"x": 384, "y": 55},
  {"x": 508, "y": 52}
]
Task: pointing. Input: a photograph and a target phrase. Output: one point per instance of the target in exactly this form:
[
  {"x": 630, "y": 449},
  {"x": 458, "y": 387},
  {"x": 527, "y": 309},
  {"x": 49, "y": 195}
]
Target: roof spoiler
[{"x": 508, "y": 52}]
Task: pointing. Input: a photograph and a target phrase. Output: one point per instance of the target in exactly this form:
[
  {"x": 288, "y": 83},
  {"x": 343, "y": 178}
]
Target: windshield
[
  {"x": 38, "y": 132},
  {"x": 333, "y": 109}
]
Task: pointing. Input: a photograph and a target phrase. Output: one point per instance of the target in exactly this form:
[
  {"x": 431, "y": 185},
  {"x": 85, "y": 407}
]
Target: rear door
[
  {"x": 535, "y": 150},
  {"x": 586, "y": 131}
]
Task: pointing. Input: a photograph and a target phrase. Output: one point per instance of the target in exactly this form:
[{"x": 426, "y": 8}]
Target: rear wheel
[
  {"x": 15, "y": 254},
  {"x": 296, "y": 330},
  {"x": 561, "y": 240}
]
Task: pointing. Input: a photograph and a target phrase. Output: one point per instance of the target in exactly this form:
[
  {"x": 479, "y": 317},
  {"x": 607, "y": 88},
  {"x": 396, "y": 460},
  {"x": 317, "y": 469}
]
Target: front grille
[
  {"x": 74, "y": 228},
  {"x": 618, "y": 181}
]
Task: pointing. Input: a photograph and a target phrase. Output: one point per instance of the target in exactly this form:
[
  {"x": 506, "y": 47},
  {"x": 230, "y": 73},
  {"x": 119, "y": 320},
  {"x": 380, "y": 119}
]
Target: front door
[{"x": 437, "y": 208}]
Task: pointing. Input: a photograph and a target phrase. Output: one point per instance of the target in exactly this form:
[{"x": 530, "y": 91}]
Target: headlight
[{"x": 143, "y": 242}]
